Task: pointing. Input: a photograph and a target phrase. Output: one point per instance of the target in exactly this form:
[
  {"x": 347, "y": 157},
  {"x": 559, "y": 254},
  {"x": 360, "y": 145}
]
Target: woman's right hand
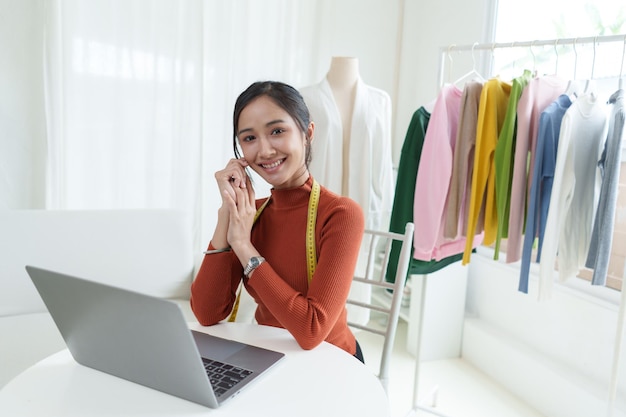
[
  {"x": 229, "y": 179},
  {"x": 233, "y": 176}
]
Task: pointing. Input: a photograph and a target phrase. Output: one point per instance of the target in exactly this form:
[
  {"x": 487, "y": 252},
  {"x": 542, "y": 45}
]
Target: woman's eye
[
  {"x": 277, "y": 131},
  {"x": 248, "y": 138}
]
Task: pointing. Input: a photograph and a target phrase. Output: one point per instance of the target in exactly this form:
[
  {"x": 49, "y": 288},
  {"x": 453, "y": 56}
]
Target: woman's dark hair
[{"x": 286, "y": 97}]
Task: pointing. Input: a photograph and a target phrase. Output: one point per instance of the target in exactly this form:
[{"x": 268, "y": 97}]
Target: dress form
[{"x": 342, "y": 78}]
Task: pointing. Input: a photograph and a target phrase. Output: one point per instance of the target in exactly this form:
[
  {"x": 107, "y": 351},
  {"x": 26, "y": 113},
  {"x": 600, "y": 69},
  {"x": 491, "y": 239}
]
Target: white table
[{"x": 325, "y": 381}]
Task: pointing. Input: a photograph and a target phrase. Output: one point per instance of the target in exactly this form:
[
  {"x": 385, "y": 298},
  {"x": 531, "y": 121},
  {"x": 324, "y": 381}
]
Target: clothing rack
[
  {"x": 593, "y": 40},
  {"x": 444, "y": 54}
]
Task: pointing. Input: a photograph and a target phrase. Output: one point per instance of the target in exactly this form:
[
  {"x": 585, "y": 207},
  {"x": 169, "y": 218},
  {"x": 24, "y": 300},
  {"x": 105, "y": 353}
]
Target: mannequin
[
  {"x": 352, "y": 145},
  {"x": 342, "y": 78},
  {"x": 352, "y": 148}
]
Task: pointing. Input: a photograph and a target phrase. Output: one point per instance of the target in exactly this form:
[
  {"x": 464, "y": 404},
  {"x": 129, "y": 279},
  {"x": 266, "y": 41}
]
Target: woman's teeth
[{"x": 272, "y": 165}]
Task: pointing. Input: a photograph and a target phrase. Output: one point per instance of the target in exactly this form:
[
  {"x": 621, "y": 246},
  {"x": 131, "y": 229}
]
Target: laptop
[{"x": 146, "y": 340}]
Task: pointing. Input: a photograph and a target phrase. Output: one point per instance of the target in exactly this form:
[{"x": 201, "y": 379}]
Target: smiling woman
[
  {"x": 296, "y": 251},
  {"x": 274, "y": 144},
  {"x": 274, "y": 138}
]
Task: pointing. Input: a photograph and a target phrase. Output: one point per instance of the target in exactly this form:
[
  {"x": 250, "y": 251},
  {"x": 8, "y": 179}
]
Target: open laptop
[{"x": 146, "y": 340}]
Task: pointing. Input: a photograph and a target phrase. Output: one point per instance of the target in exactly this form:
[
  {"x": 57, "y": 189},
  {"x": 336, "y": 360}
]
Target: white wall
[
  {"x": 557, "y": 355},
  {"x": 22, "y": 122},
  {"x": 366, "y": 29},
  {"x": 429, "y": 26}
]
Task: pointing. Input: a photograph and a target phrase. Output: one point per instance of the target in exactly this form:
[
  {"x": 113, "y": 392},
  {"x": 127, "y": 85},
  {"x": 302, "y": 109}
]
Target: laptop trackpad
[
  {"x": 235, "y": 353},
  {"x": 215, "y": 348}
]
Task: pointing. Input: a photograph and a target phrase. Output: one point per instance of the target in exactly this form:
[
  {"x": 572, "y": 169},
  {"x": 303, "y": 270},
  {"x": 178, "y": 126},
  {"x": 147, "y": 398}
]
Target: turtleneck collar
[{"x": 292, "y": 197}]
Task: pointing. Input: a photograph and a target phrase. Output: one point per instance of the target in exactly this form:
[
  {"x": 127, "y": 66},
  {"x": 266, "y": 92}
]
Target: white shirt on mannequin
[
  {"x": 351, "y": 149},
  {"x": 352, "y": 142}
]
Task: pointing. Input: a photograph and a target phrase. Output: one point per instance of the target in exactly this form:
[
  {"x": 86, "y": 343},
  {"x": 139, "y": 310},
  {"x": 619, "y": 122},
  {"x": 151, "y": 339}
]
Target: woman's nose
[{"x": 266, "y": 147}]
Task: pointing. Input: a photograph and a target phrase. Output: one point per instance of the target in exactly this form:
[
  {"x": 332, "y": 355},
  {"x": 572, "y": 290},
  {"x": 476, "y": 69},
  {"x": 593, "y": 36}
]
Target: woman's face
[{"x": 273, "y": 144}]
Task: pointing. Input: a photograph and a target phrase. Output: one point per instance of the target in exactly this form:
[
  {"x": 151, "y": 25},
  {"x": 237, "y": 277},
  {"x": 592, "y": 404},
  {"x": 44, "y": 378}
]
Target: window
[{"x": 560, "y": 19}]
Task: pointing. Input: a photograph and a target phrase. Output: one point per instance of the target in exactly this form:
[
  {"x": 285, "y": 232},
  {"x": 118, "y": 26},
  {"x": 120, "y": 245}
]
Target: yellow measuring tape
[{"x": 311, "y": 254}]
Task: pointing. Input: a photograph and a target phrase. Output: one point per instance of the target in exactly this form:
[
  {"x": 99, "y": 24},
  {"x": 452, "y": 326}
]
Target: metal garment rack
[
  {"x": 444, "y": 54},
  {"x": 589, "y": 40}
]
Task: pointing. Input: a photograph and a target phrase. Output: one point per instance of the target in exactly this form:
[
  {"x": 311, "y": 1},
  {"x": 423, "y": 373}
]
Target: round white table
[{"x": 325, "y": 381}]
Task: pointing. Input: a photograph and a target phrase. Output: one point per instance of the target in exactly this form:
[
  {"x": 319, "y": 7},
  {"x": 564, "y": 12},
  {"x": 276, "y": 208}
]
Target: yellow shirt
[{"x": 482, "y": 211}]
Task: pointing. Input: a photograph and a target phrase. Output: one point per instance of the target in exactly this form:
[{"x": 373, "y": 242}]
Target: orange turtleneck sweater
[{"x": 311, "y": 313}]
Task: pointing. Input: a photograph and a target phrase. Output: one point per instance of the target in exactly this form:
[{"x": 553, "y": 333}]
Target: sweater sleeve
[
  {"x": 433, "y": 175},
  {"x": 310, "y": 317},
  {"x": 211, "y": 300},
  {"x": 462, "y": 163},
  {"x": 559, "y": 203},
  {"x": 602, "y": 236},
  {"x": 532, "y": 217}
]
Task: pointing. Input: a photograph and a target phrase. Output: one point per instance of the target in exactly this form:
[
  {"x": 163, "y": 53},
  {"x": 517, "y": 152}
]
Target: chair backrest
[{"x": 377, "y": 251}]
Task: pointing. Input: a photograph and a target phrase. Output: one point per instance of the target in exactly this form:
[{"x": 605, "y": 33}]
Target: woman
[{"x": 298, "y": 257}]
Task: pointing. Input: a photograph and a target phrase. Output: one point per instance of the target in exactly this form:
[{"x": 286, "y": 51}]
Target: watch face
[{"x": 253, "y": 263}]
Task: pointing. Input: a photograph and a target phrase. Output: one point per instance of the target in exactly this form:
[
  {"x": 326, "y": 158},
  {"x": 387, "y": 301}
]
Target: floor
[{"x": 461, "y": 390}]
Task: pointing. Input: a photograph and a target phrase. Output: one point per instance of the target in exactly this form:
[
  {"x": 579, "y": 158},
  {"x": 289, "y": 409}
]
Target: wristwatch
[{"x": 253, "y": 264}]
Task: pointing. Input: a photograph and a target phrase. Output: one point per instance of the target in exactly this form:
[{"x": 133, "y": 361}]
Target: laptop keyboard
[{"x": 223, "y": 376}]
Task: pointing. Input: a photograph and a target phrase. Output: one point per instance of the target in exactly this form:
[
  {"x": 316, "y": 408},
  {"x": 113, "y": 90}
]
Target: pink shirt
[
  {"x": 539, "y": 93},
  {"x": 433, "y": 179}
]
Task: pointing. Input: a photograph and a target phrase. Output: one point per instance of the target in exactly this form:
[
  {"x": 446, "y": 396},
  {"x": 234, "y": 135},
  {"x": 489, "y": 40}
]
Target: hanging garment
[
  {"x": 538, "y": 95},
  {"x": 370, "y": 168},
  {"x": 610, "y": 164},
  {"x": 492, "y": 110},
  {"x": 541, "y": 187},
  {"x": 574, "y": 192},
  {"x": 455, "y": 222},
  {"x": 504, "y": 159},
  {"x": 402, "y": 211},
  {"x": 433, "y": 180}
]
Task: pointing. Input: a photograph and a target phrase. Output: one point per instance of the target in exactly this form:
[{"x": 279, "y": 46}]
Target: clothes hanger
[
  {"x": 493, "y": 56},
  {"x": 514, "y": 64},
  {"x": 621, "y": 68},
  {"x": 473, "y": 75},
  {"x": 572, "y": 86},
  {"x": 593, "y": 66},
  {"x": 556, "y": 53},
  {"x": 534, "y": 71},
  {"x": 451, "y": 62},
  {"x": 431, "y": 105}
]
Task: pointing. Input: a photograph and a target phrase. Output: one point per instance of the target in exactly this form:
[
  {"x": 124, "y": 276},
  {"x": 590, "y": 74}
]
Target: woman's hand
[
  {"x": 232, "y": 177},
  {"x": 236, "y": 216},
  {"x": 241, "y": 211}
]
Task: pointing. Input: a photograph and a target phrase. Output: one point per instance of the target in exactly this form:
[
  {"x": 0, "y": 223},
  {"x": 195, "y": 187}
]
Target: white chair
[{"x": 377, "y": 250}]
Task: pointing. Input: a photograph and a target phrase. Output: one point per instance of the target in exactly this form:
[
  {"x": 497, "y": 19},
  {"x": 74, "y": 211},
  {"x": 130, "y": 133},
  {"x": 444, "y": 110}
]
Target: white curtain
[
  {"x": 247, "y": 41},
  {"x": 140, "y": 94}
]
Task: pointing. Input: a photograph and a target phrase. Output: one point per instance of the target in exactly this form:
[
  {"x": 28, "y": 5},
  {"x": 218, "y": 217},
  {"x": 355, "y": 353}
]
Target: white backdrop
[
  {"x": 128, "y": 104},
  {"x": 139, "y": 94}
]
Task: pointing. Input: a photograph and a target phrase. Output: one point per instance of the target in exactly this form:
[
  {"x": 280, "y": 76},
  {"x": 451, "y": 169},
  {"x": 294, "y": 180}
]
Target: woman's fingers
[
  {"x": 232, "y": 177},
  {"x": 242, "y": 211},
  {"x": 236, "y": 171},
  {"x": 245, "y": 199},
  {"x": 251, "y": 195}
]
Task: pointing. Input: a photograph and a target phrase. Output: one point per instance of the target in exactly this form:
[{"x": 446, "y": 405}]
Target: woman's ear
[{"x": 310, "y": 131}]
